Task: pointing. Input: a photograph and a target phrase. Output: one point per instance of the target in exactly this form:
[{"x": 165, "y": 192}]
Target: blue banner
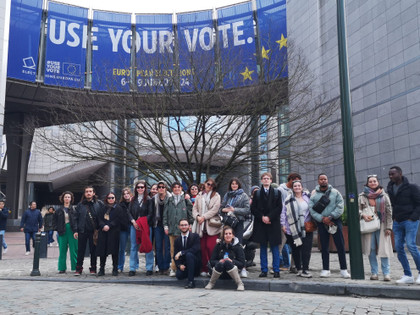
[
  {"x": 25, "y": 27},
  {"x": 196, "y": 42},
  {"x": 65, "y": 59},
  {"x": 111, "y": 61},
  {"x": 271, "y": 16},
  {"x": 238, "y": 64},
  {"x": 155, "y": 53}
]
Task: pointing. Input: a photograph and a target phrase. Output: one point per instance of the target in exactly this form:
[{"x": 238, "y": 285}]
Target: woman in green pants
[{"x": 64, "y": 223}]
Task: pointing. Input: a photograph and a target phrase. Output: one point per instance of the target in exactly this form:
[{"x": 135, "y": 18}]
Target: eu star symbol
[
  {"x": 247, "y": 74},
  {"x": 265, "y": 53},
  {"x": 282, "y": 42}
]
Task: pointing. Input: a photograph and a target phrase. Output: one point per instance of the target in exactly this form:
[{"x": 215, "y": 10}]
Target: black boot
[{"x": 101, "y": 272}]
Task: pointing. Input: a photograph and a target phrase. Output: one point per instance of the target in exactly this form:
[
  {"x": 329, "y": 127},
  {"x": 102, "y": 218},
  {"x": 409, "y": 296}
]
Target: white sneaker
[
  {"x": 5, "y": 250},
  {"x": 172, "y": 273},
  {"x": 325, "y": 274},
  {"x": 27, "y": 253},
  {"x": 244, "y": 273},
  {"x": 156, "y": 268},
  {"x": 344, "y": 273},
  {"x": 406, "y": 280},
  {"x": 203, "y": 274},
  {"x": 418, "y": 280}
]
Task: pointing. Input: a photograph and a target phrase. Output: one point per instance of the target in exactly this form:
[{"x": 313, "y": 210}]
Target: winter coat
[
  {"x": 235, "y": 251},
  {"x": 125, "y": 221},
  {"x": 283, "y": 216},
  {"x": 173, "y": 213},
  {"x": 143, "y": 236},
  {"x": 406, "y": 203},
  {"x": 49, "y": 222},
  {"x": 240, "y": 205},
  {"x": 334, "y": 209},
  {"x": 60, "y": 220},
  {"x": 4, "y": 213},
  {"x": 31, "y": 221},
  {"x": 82, "y": 221},
  {"x": 267, "y": 205},
  {"x": 109, "y": 241},
  {"x": 212, "y": 210},
  {"x": 154, "y": 218},
  {"x": 385, "y": 243},
  {"x": 135, "y": 210}
]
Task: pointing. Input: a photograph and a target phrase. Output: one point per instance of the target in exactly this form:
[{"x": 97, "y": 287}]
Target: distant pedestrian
[
  {"x": 4, "y": 213},
  {"x": 64, "y": 222},
  {"x": 374, "y": 202},
  {"x": 328, "y": 216},
  {"x": 31, "y": 223},
  {"x": 49, "y": 225},
  {"x": 405, "y": 200}
]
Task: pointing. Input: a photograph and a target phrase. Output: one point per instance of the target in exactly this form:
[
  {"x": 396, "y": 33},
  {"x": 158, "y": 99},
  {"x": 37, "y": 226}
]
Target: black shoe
[
  {"x": 131, "y": 273},
  {"x": 115, "y": 273},
  {"x": 101, "y": 273},
  {"x": 276, "y": 275},
  {"x": 149, "y": 273},
  {"x": 190, "y": 285},
  {"x": 263, "y": 275},
  {"x": 62, "y": 271}
]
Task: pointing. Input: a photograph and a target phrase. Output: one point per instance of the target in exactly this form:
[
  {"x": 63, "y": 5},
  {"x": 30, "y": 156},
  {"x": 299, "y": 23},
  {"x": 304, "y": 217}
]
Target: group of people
[{"x": 199, "y": 233}]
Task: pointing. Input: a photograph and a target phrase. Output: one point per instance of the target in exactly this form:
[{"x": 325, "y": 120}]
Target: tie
[{"x": 184, "y": 242}]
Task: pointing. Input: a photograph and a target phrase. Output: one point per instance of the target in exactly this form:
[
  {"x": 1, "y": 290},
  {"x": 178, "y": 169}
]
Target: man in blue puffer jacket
[
  {"x": 30, "y": 224},
  {"x": 329, "y": 218}
]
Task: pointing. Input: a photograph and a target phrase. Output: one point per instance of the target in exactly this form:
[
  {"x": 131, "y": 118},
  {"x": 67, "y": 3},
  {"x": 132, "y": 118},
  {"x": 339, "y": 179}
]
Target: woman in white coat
[{"x": 374, "y": 201}]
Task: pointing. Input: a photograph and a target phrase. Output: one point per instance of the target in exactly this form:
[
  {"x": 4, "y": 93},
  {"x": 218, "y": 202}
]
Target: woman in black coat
[
  {"x": 109, "y": 221},
  {"x": 228, "y": 256}
]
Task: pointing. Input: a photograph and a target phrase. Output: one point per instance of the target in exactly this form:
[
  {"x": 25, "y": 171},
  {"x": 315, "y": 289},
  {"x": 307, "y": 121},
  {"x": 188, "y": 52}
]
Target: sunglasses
[
  {"x": 161, "y": 187},
  {"x": 140, "y": 187},
  {"x": 111, "y": 198},
  {"x": 209, "y": 184}
]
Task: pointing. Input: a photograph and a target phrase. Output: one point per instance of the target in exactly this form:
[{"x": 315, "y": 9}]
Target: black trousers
[
  {"x": 114, "y": 261},
  {"x": 192, "y": 267},
  {"x": 83, "y": 239},
  {"x": 301, "y": 254}
]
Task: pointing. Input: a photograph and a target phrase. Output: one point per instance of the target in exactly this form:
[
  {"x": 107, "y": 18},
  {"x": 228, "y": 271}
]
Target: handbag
[
  {"x": 371, "y": 226},
  {"x": 230, "y": 220},
  {"x": 95, "y": 236},
  {"x": 215, "y": 221},
  {"x": 322, "y": 203},
  {"x": 310, "y": 226}
]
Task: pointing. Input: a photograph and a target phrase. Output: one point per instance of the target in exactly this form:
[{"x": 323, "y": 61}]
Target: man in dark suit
[
  {"x": 187, "y": 254},
  {"x": 266, "y": 208}
]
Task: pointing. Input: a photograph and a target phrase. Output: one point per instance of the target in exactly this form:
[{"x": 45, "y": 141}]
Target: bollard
[
  {"x": 43, "y": 247},
  {"x": 35, "y": 268}
]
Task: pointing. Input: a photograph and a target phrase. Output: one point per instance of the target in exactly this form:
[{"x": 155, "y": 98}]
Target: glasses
[
  {"x": 111, "y": 198},
  {"x": 373, "y": 175},
  {"x": 209, "y": 184},
  {"x": 266, "y": 178},
  {"x": 161, "y": 187},
  {"x": 194, "y": 188},
  {"x": 184, "y": 225},
  {"x": 140, "y": 187}
]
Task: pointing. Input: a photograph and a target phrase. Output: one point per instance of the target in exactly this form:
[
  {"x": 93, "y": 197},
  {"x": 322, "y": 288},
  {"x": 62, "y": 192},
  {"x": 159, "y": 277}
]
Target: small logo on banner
[
  {"x": 71, "y": 69},
  {"x": 53, "y": 66},
  {"x": 29, "y": 63}
]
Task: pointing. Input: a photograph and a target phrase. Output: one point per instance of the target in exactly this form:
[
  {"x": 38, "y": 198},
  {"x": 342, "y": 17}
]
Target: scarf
[
  {"x": 233, "y": 196},
  {"x": 296, "y": 219},
  {"x": 376, "y": 199}
]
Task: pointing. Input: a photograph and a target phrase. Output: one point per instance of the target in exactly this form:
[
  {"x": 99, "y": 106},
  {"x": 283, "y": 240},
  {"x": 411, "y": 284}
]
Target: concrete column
[{"x": 19, "y": 141}]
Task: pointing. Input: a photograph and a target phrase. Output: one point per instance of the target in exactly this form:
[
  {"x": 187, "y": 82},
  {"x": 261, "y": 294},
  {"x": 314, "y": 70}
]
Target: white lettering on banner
[
  {"x": 209, "y": 31},
  {"x": 146, "y": 47},
  {"x": 165, "y": 41},
  {"x": 127, "y": 37},
  {"x": 237, "y": 33},
  {"x": 115, "y": 38},
  {"x": 224, "y": 29},
  {"x": 76, "y": 38},
  {"x": 191, "y": 42},
  {"x": 62, "y": 36}
]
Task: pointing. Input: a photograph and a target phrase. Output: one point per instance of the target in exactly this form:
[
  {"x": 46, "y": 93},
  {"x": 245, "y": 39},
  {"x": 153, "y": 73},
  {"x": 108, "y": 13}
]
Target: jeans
[
  {"x": 134, "y": 254},
  {"x": 372, "y": 256},
  {"x": 284, "y": 258},
  {"x": 123, "y": 244},
  {"x": 338, "y": 241},
  {"x": 405, "y": 233},
  {"x": 264, "y": 260},
  {"x": 162, "y": 248},
  {"x": 4, "y": 241},
  {"x": 28, "y": 237},
  {"x": 239, "y": 231},
  {"x": 50, "y": 237}
]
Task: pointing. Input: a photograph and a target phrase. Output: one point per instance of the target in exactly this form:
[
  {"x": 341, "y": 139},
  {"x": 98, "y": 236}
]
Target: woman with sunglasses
[
  {"x": 109, "y": 221},
  {"x": 206, "y": 207},
  {"x": 374, "y": 201},
  {"x": 139, "y": 208},
  {"x": 193, "y": 192}
]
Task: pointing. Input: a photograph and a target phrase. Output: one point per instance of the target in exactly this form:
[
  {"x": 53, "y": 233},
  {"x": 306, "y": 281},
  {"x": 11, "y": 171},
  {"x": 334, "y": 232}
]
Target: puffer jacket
[
  {"x": 173, "y": 213},
  {"x": 234, "y": 250},
  {"x": 334, "y": 209}
]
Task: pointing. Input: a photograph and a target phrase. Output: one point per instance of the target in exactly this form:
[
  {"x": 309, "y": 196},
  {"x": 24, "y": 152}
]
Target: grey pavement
[{"x": 16, "y": 266}]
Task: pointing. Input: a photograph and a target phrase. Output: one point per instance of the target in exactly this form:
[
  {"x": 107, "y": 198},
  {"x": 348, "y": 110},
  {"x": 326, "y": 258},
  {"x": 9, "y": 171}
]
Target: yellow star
[
  {"x": 265, "y": 53},
  {"x": 247, "y": 74},
  {"x": 282, "y": 42}
]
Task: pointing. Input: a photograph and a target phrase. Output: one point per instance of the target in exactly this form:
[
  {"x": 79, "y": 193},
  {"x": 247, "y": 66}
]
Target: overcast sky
[{"x": 151, "y": 6}]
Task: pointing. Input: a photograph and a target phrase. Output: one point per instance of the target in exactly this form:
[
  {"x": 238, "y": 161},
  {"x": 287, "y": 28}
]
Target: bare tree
[{"x": 163, "y": 133}]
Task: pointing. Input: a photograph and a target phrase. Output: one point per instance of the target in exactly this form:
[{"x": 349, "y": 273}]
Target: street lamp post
[{"x": 355, "y": 247}]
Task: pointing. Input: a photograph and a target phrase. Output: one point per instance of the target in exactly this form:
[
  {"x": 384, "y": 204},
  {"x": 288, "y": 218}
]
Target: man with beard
[
  {"x": 328, "y": 217},
  {"x": 405, "y": 200}
]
